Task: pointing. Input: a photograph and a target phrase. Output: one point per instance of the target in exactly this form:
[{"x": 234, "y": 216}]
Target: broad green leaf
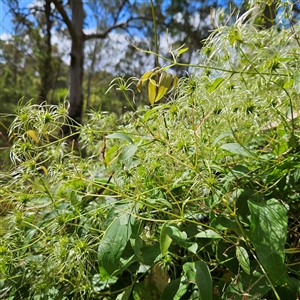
[
  {"x": 255, "y": 285},
  {"x": 113, "y": 243},
  {"x": 236, "y": 148},
  {"x": 128, "y": 151},
  {"x": 243, "y": 258},
  {"x": 171, "y": 290},
  {"x": 175, "y": 290},
  {"x": 203, "y": 281},
  {"x": 150, "y": 253},
  {"x": 216, "y": 83},
  {"x": 291, "y": 290},
  {"x": 190, "y": 271},
  {"x": 193, "y": 248},
  {"x": 223, "y": 222},
  {"x": 175, "y": 233},
  {"x": 164, "y": 240},
  {"x": 268, "y": 230},
  {"x": 181, "y": 51},
  {"x": 208, "y": 234},
  {"x": 221, "y": 136},
  {"x": 297, "y": 82},
  {"x": 120, "y": 136},
  {"x": 152, "y": 90}
]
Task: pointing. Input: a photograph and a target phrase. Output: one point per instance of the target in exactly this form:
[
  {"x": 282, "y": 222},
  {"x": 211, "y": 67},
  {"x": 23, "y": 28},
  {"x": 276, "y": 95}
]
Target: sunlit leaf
[
  {"x": 44, "y": 170},
  {"x": 243, "y": 258},
  {"x": 152, "y": 90},
  {"x": 236, "y": 148},
  {"x": 203, "y": 281},
  {"x": 32, "y": 134},
  {"x": 164, "y": 240},
  {"x": 145, "y": 77},
  {"x": 288, "y": 83},
  {"x": 208, "y": 234},
  {"x": 216, "y": 83},
  {"x": 181, "y": 51},
  {"x": 175, "y": 82},
  {"x": 165, "y": 82},
  {"x": 268, "y": 235},
  {"x": 128, "y": 151},
  {"x": 120, "y": 136},
  {"x": 114, "y": 242}
]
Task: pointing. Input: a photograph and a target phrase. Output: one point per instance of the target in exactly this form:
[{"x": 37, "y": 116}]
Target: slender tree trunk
[
  {"x": 76, "y": 66},
  {"x": 90, "y": 74},
  {"x": 46, "y": 68}
]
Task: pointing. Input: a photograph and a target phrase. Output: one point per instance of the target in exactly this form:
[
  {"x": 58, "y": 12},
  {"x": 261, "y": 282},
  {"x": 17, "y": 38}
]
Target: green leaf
[
  {"x": 236, "y": 148},
  {"x": 193, "y": 248},
  {"x": 288, "y": 83},
  {"x": 217, "y": 82},
  {"x": 190, "y": 272},
  {"x": 150, "y": 253},
  {"x": 164, "y": 240},
  {"x": 203, "y": 281},
  {"x": 128, "y": 151},
  {"x": 181, "y": 51},
  {"x": 297, "y": 82},
  {"x": 222, "y": 222},
  {"x": 113, "y": 243},
  {"x": 120, "y": 136},
  {"x": 221, "y": 136},
  {"x": 243, "y": 258},
  {"x": 175, "y": 290},
  {"x": 208, "y": 234},
  {"x": 268, "y": 235},
  {"x": 171, "y": 290},
  {"x": 175, "y": 233}
]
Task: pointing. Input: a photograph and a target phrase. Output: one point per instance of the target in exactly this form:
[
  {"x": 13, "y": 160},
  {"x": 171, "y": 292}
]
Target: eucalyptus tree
[{"x": 33, "y": 23}]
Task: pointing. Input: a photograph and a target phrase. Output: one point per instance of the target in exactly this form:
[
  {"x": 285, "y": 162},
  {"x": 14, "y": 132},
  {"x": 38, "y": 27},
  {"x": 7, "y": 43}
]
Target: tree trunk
[
  {"x": 76, "y": 66},
  {"x": 46, "y": 67},
  {"x": 90, "y": 74}
]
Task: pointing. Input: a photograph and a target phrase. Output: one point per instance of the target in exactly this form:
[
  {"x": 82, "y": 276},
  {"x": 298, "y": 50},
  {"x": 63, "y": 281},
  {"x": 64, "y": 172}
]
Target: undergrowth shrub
[{"x": 193, "y": 198}]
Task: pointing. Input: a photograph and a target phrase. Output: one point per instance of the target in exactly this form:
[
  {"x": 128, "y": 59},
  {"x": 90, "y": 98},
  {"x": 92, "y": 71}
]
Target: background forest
[{"x": 150, "y": 150}]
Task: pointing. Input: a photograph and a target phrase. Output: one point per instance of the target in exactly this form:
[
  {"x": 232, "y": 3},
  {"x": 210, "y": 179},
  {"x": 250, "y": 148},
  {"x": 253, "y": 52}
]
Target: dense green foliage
[{"x": 196, "y": 197}]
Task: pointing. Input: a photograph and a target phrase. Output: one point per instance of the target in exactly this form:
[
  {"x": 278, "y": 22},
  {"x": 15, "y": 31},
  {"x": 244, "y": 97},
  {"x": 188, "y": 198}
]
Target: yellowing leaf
[
  {"x": 143, "y": 79},
  {"x": 217, "y": 82},
  {"x": 44, "y": 169},
  {"x": 165, "y": 81},
  {"x": 32, "y": 134},
  {"x": 175, "y": 82},
  {"x": 152, "y": 90},
  {"x": 182, "y": 51}
]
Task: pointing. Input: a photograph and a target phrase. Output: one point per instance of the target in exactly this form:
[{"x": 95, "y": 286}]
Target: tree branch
[
  {"x": 102, "y": 35},
  {"x": 65, "y": 18}
]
